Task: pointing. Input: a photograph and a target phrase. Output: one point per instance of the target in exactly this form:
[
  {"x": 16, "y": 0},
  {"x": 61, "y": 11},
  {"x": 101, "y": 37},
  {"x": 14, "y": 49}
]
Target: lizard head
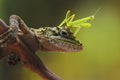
[
  {"x": 57, "y": 39},
  {"x": 63, "y": 38}
]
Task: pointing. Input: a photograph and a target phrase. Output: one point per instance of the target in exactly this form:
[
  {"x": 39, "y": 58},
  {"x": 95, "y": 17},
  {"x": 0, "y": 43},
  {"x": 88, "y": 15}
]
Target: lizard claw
[{"x": 13, "y": 59}]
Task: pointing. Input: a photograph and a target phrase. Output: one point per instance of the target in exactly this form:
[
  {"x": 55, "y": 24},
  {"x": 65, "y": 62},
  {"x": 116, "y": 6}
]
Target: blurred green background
[{"x": 100, "y": 58}]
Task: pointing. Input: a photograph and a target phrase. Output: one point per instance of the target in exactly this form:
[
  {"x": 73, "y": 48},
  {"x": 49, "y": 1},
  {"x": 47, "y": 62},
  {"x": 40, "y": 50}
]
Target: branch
[
  {"x": 31, "y": 61},
  {"x": 27, "y": 53},
  {"x": 3, "y": 29}
]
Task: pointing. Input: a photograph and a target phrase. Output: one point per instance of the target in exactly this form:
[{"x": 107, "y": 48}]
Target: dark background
[{"x": 100, "y": 59}]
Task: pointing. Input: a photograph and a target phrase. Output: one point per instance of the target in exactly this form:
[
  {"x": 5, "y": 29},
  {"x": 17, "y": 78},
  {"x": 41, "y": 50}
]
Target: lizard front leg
[
  {"x": 28, "y": 37},
  {"x": 27, "y": 53}
]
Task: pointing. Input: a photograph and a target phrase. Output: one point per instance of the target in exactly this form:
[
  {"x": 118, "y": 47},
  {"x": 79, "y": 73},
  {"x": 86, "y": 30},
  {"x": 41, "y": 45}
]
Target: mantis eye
[{"x": 64, "y": 33}]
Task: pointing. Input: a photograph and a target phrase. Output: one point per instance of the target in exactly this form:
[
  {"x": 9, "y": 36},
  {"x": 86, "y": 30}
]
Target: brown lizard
[{"x": 19, "y": 43}]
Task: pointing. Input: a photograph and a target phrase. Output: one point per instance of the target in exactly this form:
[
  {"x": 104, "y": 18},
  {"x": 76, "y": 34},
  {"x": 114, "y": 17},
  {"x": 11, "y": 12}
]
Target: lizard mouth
[{"x": 64, "y": 44}]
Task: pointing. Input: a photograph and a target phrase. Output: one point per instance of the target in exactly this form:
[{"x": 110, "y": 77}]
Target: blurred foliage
[{"x": 99, "y": 59}]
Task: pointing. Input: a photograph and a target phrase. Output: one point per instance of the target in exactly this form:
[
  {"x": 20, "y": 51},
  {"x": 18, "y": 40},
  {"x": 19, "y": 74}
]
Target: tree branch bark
[{"x": 27, "y": 53}]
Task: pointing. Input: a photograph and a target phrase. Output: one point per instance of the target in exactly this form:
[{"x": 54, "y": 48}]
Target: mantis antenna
[{"x": 97, "y": 11}]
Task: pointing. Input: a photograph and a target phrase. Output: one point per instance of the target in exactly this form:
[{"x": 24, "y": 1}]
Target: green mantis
[{"x": 68, "y": 22}]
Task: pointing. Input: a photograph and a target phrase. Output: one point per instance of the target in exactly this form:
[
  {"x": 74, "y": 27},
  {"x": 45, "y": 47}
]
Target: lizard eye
[{"x": 64, "y": 33}]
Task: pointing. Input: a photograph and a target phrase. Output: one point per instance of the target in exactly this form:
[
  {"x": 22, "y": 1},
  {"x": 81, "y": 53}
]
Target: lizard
[{"x": 20, "y": 43}]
